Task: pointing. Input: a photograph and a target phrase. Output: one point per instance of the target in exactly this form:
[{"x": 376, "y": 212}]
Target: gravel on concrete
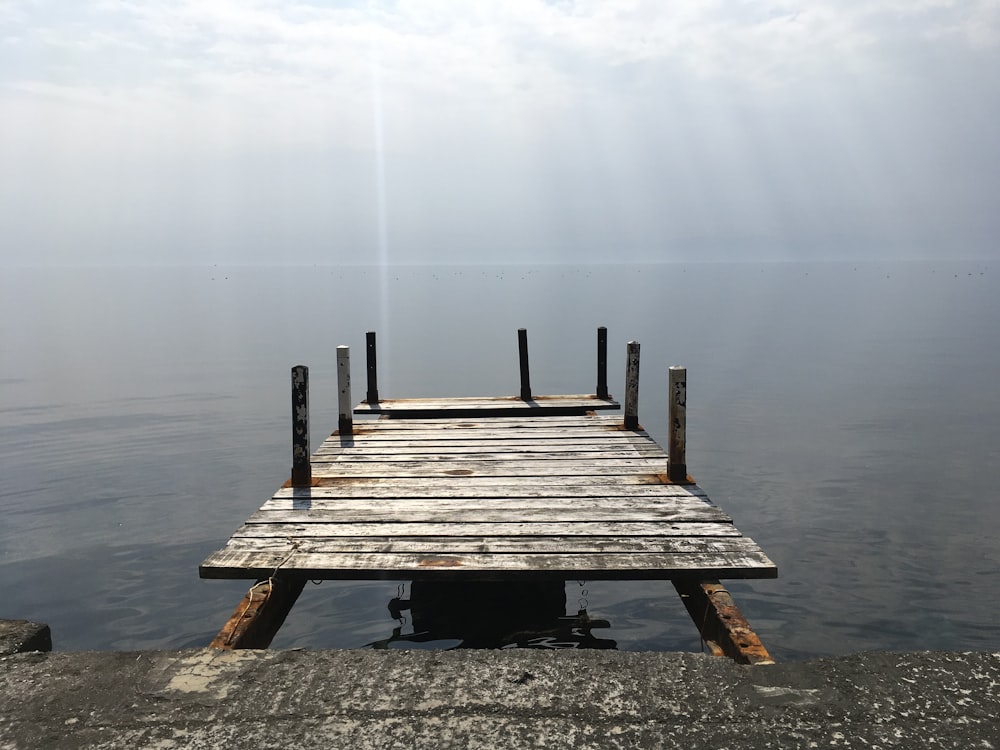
[{"x": 494, "y": 699}]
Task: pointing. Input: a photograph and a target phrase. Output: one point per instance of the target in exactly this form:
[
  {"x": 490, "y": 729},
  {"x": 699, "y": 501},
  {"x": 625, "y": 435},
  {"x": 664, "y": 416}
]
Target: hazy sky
[{"x": 250, "y": 131}]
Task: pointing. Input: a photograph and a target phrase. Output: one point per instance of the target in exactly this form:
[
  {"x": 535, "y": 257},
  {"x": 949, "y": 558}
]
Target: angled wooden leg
[
  {"x": 721, "y": 624},
  {"x": 260, "y": 615}
]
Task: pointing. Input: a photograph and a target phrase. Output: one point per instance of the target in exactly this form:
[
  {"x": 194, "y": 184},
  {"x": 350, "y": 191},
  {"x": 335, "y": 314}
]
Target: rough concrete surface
[
  {"x": 493, "y": 699},
  {"x": 21, "y": 635}
]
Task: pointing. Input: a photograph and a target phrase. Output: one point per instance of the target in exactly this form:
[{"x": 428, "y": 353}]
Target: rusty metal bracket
[{"x": 722, "y": 626}]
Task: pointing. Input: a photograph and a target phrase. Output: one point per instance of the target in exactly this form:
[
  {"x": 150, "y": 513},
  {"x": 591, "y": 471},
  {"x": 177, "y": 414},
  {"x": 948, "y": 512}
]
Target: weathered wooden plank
[
  {"x": 598, "y": 422},
  {"x": 619, "y": 485},
  {"x": 470, "y": 403},
  {"x": 605, "y": 422},
  {"x": 456, "y": 429},
  {"x": 503, "y": 400},
  {"x": 372, "y": 511},
  {"x": 424, "y": 437},
  {"x": 235, "y": 563},
  {"x": 596, "y": 467},
  {"x": 430, "y": 442},
  {"x": 260, "y": 526},
  {"x": 526, "y": 417},
  {"x": 490, "y": 497},
  {"x": 527, "y": 545},
  {"x": 528, "y": 456}
]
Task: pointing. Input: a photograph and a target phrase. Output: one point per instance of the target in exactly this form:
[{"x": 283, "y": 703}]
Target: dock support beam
[
  {"x": 602, "y": 362},
  {"x": 372, "y": 396},
  {"x": 345, "y": 422},
  {"x": 632, "y": 386},
  {"x": 301, "y": 468},
  {"x": 677, "y": 415},
  {"x": 722, "y": 626},
  {"x": 257, "y": 618},
  {"x": 522, "y": 351}
]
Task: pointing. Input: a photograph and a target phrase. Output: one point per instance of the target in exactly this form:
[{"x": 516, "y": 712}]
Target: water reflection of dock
[
  {"x": 493, "y": 614},
  {"x": 528, "y": 488}
]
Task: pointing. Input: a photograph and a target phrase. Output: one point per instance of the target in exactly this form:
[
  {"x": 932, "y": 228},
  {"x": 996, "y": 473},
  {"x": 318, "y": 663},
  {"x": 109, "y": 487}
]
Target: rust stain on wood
[
  {"x": 722, "y": 626},
  {"x": 665, "y": 479},
  {"x": 313, "y": 482},
  {"x": 440, "y": 562},
  {"x": 260, "y": 615},
  {"x": 340, "y": 481}
]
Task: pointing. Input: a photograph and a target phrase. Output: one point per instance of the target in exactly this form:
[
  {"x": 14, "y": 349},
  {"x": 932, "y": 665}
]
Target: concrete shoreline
[{"x": 205, "y": 698}]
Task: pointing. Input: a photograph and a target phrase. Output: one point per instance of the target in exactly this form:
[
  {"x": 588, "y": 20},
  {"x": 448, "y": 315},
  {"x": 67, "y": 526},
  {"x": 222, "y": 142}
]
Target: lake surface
[{"x": 847, "y": 416}]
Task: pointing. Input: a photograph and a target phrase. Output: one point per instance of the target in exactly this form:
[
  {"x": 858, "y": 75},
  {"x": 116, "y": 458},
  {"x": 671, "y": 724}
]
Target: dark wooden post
[
  {"x": 372, "y": 396},
  {"x": 602, "y": 362},
  {"x": 677, "y": 414},
  {"x": 722, "y": 626},
  {"x": 632, "y": 386},
  {"x": 301, "y": 468},
  {"x": 522, "y": 350},
  {"x": 260, "y": 615},
  {"x": 345, "y": 422}
]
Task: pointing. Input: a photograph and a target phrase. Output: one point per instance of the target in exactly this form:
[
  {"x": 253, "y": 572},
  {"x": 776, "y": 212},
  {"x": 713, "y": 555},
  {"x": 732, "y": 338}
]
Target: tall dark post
[
  {"x": 677, "y": 414},
  {"x": 522, "y": 349},
  {"x": 345, "y": 422},
  {"x": 301, "y": 468},
  {"x": 632, "y": 386},
  {"x": 602, "y": 362},
  {"x": 372, "y": 369}
]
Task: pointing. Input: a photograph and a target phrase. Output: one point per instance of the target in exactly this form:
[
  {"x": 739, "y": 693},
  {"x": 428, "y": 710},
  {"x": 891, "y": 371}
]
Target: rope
[{"x": 269, "y": 581}]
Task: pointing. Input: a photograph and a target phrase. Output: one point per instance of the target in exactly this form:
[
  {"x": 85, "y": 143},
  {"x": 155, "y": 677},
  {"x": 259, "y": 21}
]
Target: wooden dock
[{"x": 492, "y": 489}]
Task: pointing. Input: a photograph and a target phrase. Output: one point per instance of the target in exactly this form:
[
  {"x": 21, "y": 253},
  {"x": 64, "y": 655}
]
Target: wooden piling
[
  {"x": 372, "y": 395},
  {"x": 602, "y": 362},
  {"x": 301, "y": 468},
  {"x": 257, "y": 619},
  {"x": 522, "y": 349},
  {"x": 723, "y": 628},
  {"x": 632, "y": 386},
  {"x": 345, "y": 422},
  {"x": 677, "y": 415}
]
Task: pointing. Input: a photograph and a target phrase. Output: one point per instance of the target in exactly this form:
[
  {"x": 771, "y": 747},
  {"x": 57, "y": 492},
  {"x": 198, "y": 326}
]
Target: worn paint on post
[
  {"x": 301, "y": 469},
  {"x": 345, "y": 422},
  {"x": 632, "y": 386},
  {"x": 677, "y": 415}
]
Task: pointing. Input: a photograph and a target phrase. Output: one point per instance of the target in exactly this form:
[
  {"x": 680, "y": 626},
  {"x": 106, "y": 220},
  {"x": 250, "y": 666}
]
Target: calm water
[{"x": 847, "y": 416}]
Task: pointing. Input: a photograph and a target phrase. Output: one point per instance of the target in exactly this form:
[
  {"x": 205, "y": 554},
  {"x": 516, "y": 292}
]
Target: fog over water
[{"x": 844, "y": 414}]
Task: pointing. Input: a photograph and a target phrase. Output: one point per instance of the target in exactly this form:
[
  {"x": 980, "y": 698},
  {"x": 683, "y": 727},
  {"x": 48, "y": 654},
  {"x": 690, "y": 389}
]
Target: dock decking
[
  {"x": 491, "y": 489},
  {"x": 533, "y": 496}
]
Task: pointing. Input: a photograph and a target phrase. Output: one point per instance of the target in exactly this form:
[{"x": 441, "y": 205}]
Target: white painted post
[
  {"x": 632, "y": 386},
  {"x": 301, "y": 468},
  {"x": 677, "y": 414},
  {"x": 345, "y": 422}
]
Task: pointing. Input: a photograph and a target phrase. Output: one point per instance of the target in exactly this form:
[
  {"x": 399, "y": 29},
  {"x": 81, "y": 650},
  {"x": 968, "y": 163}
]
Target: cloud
[
  {"x": 643, "y": 123},
  {"x": 442, "y": 65}
]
